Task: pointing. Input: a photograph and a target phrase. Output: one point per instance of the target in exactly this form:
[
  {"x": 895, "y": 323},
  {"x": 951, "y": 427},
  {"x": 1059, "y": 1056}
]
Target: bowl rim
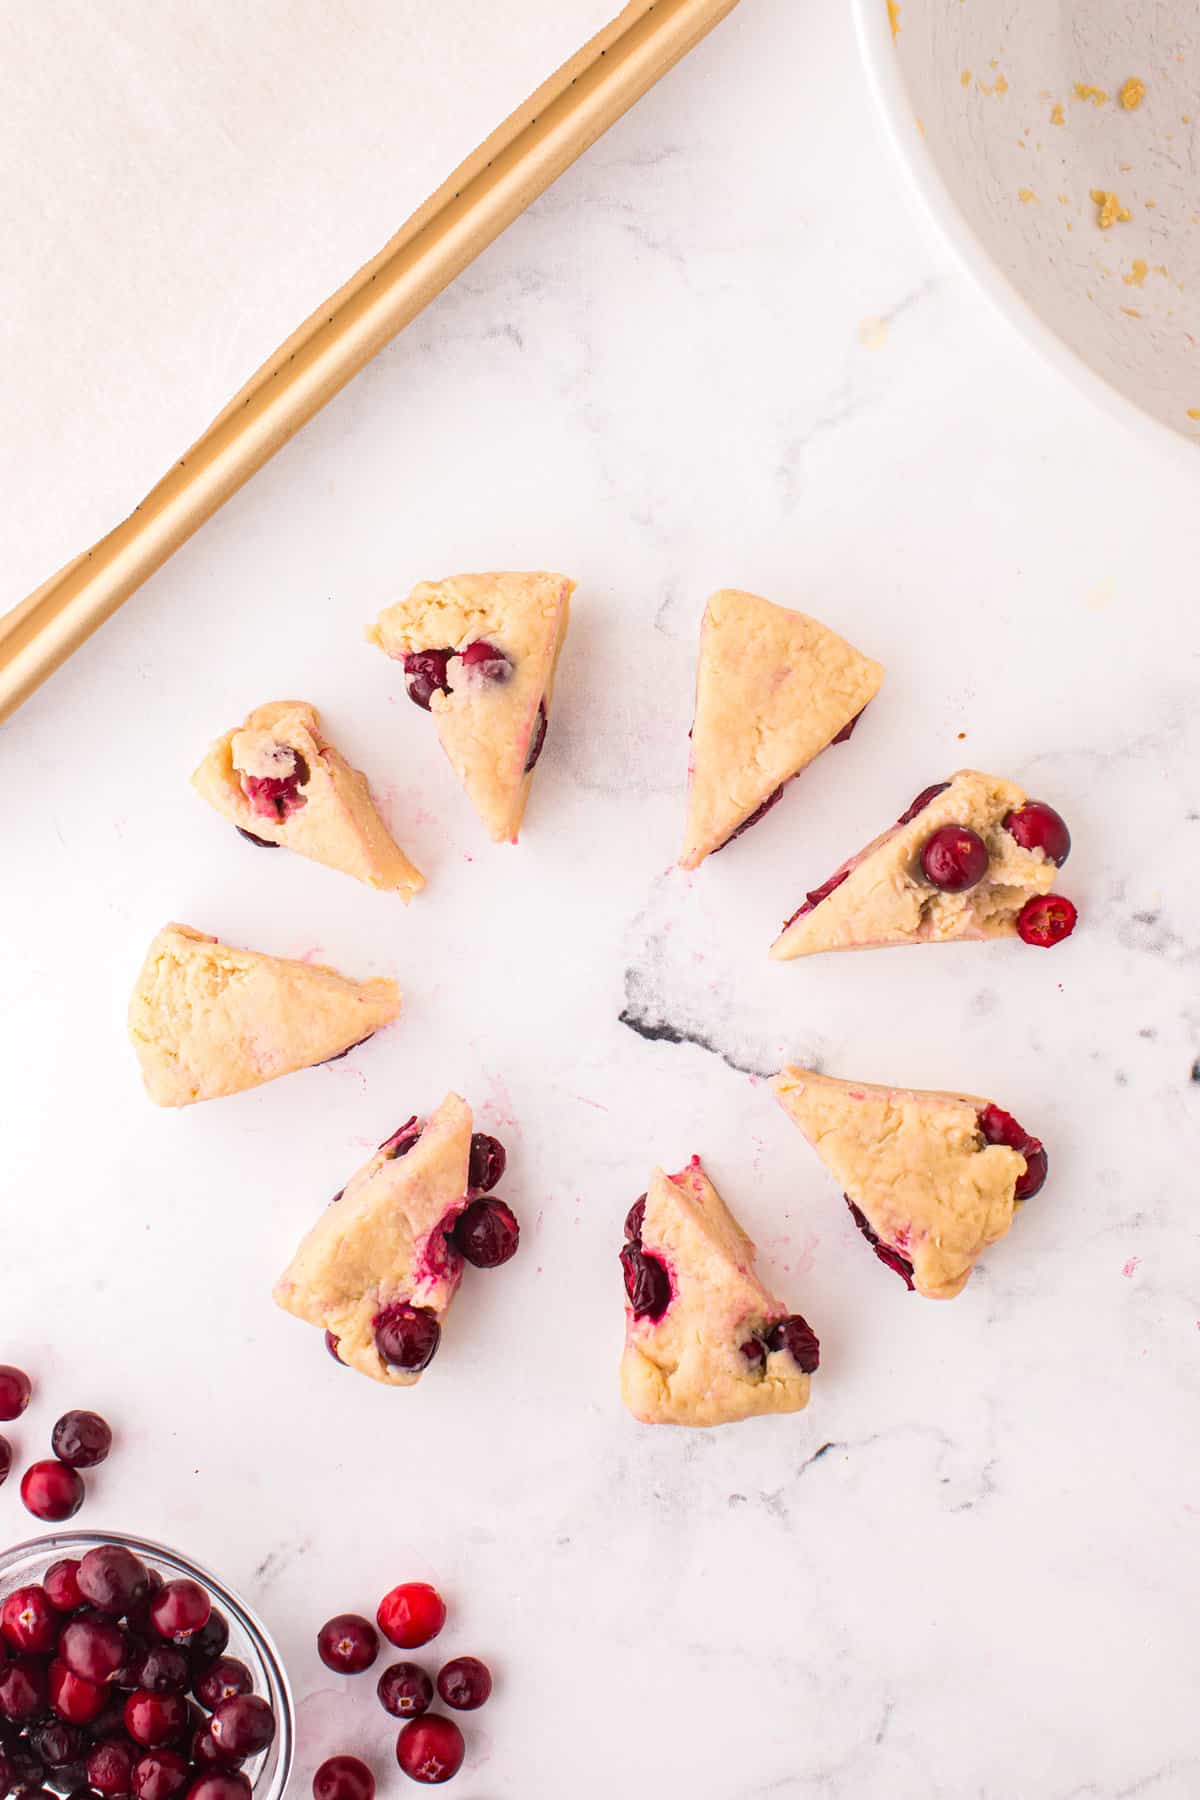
[
  {"x": 65, "y": 1543},
  {"x": 894, "y": 110}
]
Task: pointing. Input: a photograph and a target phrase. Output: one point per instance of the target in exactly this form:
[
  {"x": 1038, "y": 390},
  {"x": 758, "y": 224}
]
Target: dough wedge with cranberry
[
  {"x": 480, "y": 654},
  {"x": 207, "y": 1020},
  {"x": 705, "y": 1343},
  {"x": 931, "y": 1179},
  {"x": 282, "y": 783},
  {"x": 773, "y": 689}
]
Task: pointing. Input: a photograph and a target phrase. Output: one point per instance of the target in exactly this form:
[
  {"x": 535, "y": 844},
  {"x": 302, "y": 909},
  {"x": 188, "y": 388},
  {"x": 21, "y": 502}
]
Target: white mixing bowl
[{"x": 1009, "y": 116}]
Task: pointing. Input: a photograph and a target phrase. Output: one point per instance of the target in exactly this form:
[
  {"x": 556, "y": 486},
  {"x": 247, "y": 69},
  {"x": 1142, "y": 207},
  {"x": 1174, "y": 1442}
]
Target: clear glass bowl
[{"x": 248, "y": 1639}]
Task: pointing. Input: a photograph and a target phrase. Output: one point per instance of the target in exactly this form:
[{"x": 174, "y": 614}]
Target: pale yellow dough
[
  {"x": 487, "y": 727},
  {"x": 915, "y": 1164},
  {"x": 208, "y": 1020},
  {"x": 773, "y": 689},
  {"x": 688, "y": 1368}
]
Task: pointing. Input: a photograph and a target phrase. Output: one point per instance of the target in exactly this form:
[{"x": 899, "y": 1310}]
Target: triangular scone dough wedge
[
  {"x": 382, "y": 1242},
  {"x": 705, "y": 1357},
  {"x": 279, "y": 780},
  {"x": 773, "y": 689},
  {"x": 492, "y": 721},
  {"x": 931, "y": 1191},
  {"x": 207, "y": 1020},
  {"x": 880, "y": 896}
]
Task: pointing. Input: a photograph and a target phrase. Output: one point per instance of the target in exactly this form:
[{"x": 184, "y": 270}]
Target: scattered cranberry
[
  {"x": 348, "y": 1644},
  {"x": 15, "y": 1389},
  {"x": 815, "y": 897},
  {"x": 77, "y": 1701},
  {"x": 159, "y": 1775},
  {"x": 242, "y": 1726},
  {"x": 221, "y": 1681},
  {"x": 754, "y": 1351},
  {"x": 999, "y": 1127},
  {"x": 425, "y": 675},
  {"x": 487, "y": 661},
  {"x": 180, "y": 1609},
  {"x": 51, "y": 1491},
  {"x": 465, "y": 1683},
  {"x": 61, "y": 1585},
  {"x": 114, "y": 1580},
  {"x": 921, "y": 802},
  {"x": 411, "y": 1615},
  {"x": 94, "y": 1649},
  {"x": 488, "y": 1162},
  {"x": 5, "y": 1460},
  {"x": 110, "y": 1768},
  {"x": 487, "y": 1233},
  {"x": 646, "y": 1283},
  {"x": 29, "y": 1622},
  {"x": 222, "y": 1784},
  {"x": 81, "y": 1440},
  {"x": 405, "y": 1690},
  {"x": 343, "y": 1778},
  {"x": 279, "y": 796},
  {"x": 209, "y": 1642},
  {"x": 1037, "y": 826},
  {"x": 431, "y": 1749},
  {"x": 1046, "y": 920},
  {"x": 635, "y": 1220},
  {"x": 847, "y": 731},
  {"x": 331, "y": 1344},
  {"x": 954, "y": 859},
  {"x": 797, "y": 1337},
  {"x": 758, "y": 813},
  {"x": 538, "y": 740},
  {"x": 154, "y": 1719},
  {"x": 162, "y": 1668},
  {"x": 407, "y": 1337},
  {"x": 890, "y": 1258}
]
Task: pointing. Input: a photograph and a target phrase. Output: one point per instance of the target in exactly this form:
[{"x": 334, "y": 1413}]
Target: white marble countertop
[{"x": 720, "y": 352}]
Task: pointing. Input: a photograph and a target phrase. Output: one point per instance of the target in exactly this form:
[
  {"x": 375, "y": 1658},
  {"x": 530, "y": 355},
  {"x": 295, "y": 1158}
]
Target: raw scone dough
[
  {"x": 487, "y": 728},
  {"x": 207, "y": 1020},
  {"x": 773, "y": 689}
]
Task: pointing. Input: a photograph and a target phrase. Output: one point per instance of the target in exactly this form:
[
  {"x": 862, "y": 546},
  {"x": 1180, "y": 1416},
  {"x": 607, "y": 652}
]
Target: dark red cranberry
[
  {"x": 93, "y": 1648},
  {"x": 758, "y": 813},
  {"x": 7, "y": 1772},
  {"x": 465, "y": 1683},
  {"x": 635, "y": 1219},
  {"x": 278, "y": 796},
  {"x": 81, "y": 1440},
  {"x": 29, "y": 1622},
  {"x": 430, "y": 1750},
  {"x": 487, "y": 661},
  {"x": 405, "y": 1690},
  {"x": 113, "y": 1580},
  {"x": 51, "y": 1491},
  {"x": 343, "y": 1778},
  {"x": 425, "y": 675},
  {"x": 487, "y": 1233},
  {"x": 488, "y": 1162},
  {"x": 155, "y": 1719},
  {"x": 62, "y": 1588},
  {"x": 204, "y": 1752},
  {"x": 921, "y": 802},
  {"x": 138, "y": 1617},
  {"x": 5, "y": 1460},
  {"x": 1046, "y": 920},
  {"x": 411, "y": 1614},
  {"x": 999, "y": 1127},
  {"x": 221, "y": 1681},
  {"x": 646, "y": 1283},
  {"x": 160, "y": 1774},
  {"x": 954, "y": 859},
  {"x": 179, "y": 1610},
  {"x": 816, "y": 896},
  {"x": 890, "y": 1258},
  {"x": 1037, "y": 826},
  {"x": 538, "y": 740},
  {"x": 221, "y": 1784},
  {"x": 263, "y": 843},
  {"x": 28, "y": 1768},
  {"x": 797, "y": 1337},
  {"x": 847, "y": 731},
  {"x": 77, "y": 1701},
  {"x": 348, "y": 1643},
  {"x": 15, "y": 1389},
  {"x": 161, "y": 1668},
  {"x": 110, "y": 1768},
  {"x": 57, "y": 1744},
  {"x": 209, "y": 1642},
  {"x": 331, "y": 1344},
  {"x": 401, "y": 1140},
  {"x": 407, "y": 1337},
  {"x": 754, "y": 1351},
  {"x": 111, "y": 1722},
  {"x": 242, "y": 1726}
]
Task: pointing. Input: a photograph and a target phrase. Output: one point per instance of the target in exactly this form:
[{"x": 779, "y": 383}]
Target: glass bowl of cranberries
[{"x": 130, "y": 1673}]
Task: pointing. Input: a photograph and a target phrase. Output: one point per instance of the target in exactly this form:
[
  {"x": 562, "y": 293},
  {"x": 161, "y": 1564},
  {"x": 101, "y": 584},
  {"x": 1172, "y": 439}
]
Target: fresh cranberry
[
  {"x": 487, "y": 1233},
  {"x": 180, "y": 1609},
  {"x": 72, "y": 1698},
  {"x": 847, "y": 731},
  {"x": 999, "y": 1127},
  {"x": 15, "y": 1389},
  {"x": 204, "y": 1752},
  {"x": 222, "y": 1784},
  {"x": 29, "y": 1622},
  {"x": 1046, "y": 920},
  {"x": 331, "y": 1344},
  {"x": 209, "y": 1642},
  {"x": 221, "y": 1681},
  {"x": 160, "y": 1774},
  {"x": 635, "y": 1220},
  {"x": 111, "y": 1722},
  {"x": 430, "y": 1750},
  {"x": 348, "y": 1644},
  {"x": 465, "y": 1683},
  {"x": 815, "y": 897},
  {"x": 646, "y": 1283},
  {"x": 94, "y": 1649},
  {"x": 758, "y": 813},
  {"x": 5, "y": 1460},
  {"x": 797, "y": 1337},
  {"x": 242, "y": 1725},
  {"x": 343, "y": 1778},
  {"x": 161, "y": 1668},
  {"x": 890, "y": 1258},
  {"x": 425, "y": 675},
  {"x": 487, "y": 661},
  {"x": 114, "y": 1580},
  {"x": 1037, "y": 826},
  {"x": 401, "y": 1140},
  {"x": 488, "y": 1162},
  {"x": 954, "y": 859},
  {"x": 138, "y": 1616},
  {"x": 51, "y": 1491},
  {"x": 278, "y": 796},
  {"x": 263, "y": 843},
  {"x": 61, "y": 1585},
  {"x": 81, "y": 1440},
  {"x": 110, "y": 1768},
  {"x": 407, "y": 1337},
  {"x": 754, "y": 1351},
  {"x": 405, "y": 1690},
  {"x": 921, "y": 802},
  {"x": 57, "y": 1744},
  {"x": 154, "y": 1719},
  {"x": 27, "y": 1766},
  {"x": 538, "y": 739},
  {"x": 411, "y": 1615}
]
